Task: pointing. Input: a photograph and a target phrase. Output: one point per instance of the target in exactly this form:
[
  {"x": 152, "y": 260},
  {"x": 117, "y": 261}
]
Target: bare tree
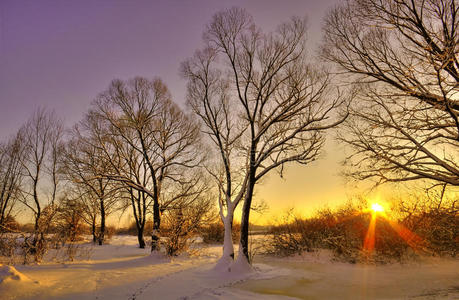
[
  {"x": 69, "y": 220},
  {"x": 207, "y": 96},
  {"x": 10, "y": 178},
  {"x": 262, "y": 83},
  {"x": 84, "y": 166},
  {"x": 89, "y": 207},
  {"x": 403, "y": 58},
  {"x": 139, "y": 201},
  {"x": 42, "y": 136},
  {"x": 140, "y": 116}
]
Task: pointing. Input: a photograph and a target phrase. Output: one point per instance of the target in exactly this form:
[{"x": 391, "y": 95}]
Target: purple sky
[{"x": 61, "y": 54}]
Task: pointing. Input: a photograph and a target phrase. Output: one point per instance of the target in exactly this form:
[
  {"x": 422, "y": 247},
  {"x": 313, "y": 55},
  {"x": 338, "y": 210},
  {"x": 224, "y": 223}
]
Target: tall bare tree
[
  {"x": 140, "y": 116},
  {"x": 403, "y": 58},
  {"x": 256, "y": 92},
  {"x": 42, "y": 137},
  {"x": 208, "y": 98}
]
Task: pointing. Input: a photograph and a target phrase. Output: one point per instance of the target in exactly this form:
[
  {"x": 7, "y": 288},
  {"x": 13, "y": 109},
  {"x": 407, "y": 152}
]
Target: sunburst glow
[
  {"x": 376, "y": 207},
  {"x": 378, "y": 211}
]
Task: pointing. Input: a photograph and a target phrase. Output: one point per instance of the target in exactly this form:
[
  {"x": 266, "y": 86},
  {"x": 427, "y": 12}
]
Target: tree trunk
[
  {"x": 156, "y": 226},
  {"x": 228, "y": 248},
  {"x": 93, "y": 229},
  {"x": 139, "y": 215},
  {"x": 37, "y": 222},
  {"x": 4, "y": 205},
  {"x": 140, "y": 237},
  {"x": 37, "y": 219},
  {"x": 244, "y": 240},
  {"x": 37, "y": 203},
  {"x": 39, "y": 246},
  {"x": 102, "y": 223}
]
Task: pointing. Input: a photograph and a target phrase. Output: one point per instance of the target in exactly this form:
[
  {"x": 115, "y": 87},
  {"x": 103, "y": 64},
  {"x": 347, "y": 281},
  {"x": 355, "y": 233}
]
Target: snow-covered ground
[{"x": 123, "y": 271}]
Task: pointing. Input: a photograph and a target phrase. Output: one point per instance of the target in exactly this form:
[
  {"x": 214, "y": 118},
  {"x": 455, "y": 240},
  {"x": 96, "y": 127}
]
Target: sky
[{"x": 61, "y": 54}]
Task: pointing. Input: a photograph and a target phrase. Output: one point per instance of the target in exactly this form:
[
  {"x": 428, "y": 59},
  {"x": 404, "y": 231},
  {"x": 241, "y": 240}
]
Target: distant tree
[
  {"x": 42, "y": 136},
  {"x": 263, "y": 105},
  {"x": 10, "y": 178},
  {"x": 402, "y": 57},
  {"x": 89, "y": 207},
  {"x": 138, "y": 115},
  {"x": 69, "y": 222}
]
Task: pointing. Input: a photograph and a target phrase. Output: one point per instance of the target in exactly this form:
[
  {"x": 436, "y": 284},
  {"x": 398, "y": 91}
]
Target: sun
[{"x": 376, "y": 207}]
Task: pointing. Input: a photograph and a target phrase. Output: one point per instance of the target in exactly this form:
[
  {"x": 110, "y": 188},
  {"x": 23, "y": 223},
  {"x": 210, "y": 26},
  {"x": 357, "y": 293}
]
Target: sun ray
[
  {"x": 412, "y": 239},
  {"x": 377, "y": 210},
  {"x": 369, "y": 243}
]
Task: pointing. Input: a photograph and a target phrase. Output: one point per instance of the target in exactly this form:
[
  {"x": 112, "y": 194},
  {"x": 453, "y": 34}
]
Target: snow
[
  {"x": 9, "y": 274},
  {"x": 11, "y": 280},
  {"x": 241, "y": 265},
  {"x": 317, "y": 276},
  {"x": 123, "y": 271}
]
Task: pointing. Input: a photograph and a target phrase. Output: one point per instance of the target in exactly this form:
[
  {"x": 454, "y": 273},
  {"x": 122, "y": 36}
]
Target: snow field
[{"x": 120, "y": 270}]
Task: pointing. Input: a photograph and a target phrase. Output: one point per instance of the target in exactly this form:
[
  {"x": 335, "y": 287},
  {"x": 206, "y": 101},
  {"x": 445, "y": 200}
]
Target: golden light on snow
[{"x": 376, "y": 207}]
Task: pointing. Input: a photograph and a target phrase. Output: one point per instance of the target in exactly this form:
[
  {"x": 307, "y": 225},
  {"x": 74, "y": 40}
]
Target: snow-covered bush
[{"x": 398, "y": 235}]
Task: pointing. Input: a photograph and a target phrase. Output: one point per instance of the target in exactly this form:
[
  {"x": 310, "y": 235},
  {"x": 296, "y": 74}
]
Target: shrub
[
  {"x": 214, "y": 232},
  {"x": 435, "y": 220},
  {"x": 9, "y": 224},
  {"x": 420, "y": 228},
  {"x": 182, "y": 225},
  {"x": 108, "y": 233}
]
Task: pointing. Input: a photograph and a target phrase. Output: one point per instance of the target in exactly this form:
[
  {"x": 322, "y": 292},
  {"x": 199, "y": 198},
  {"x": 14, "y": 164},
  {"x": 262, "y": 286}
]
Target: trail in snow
[{"x": 153, "y": 281}]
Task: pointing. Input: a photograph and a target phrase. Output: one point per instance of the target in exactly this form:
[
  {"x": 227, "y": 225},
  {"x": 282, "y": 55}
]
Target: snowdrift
[{"x": 10, "y": 274}]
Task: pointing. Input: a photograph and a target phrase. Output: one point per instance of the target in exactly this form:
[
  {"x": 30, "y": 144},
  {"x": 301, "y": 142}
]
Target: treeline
[{"x": 134, "y": 150}]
